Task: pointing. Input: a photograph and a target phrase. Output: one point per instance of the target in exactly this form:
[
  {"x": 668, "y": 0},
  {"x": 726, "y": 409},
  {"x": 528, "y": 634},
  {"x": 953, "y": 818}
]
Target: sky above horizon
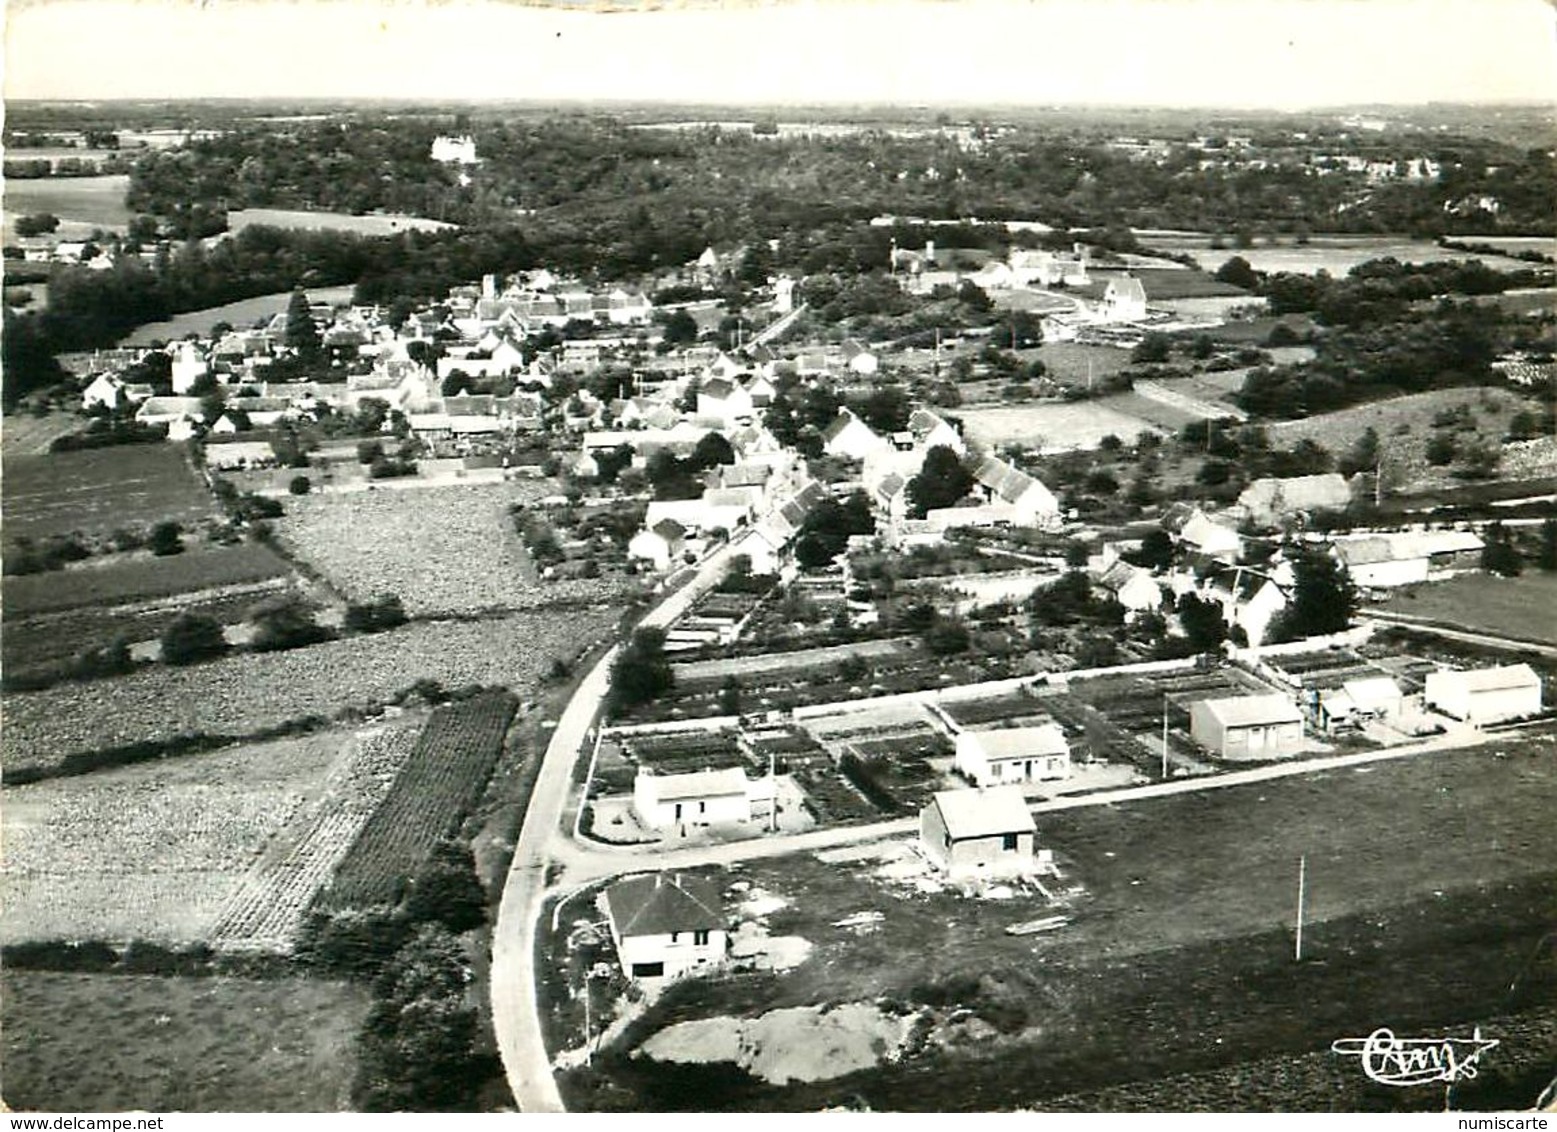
[{"x": 1285, "y": 54}]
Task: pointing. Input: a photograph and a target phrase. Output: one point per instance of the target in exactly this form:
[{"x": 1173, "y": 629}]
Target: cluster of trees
[
  {"x": 942, "y": 480},
  {"x": 641, "y": 673},
  {"x": 830, "y": 525}
]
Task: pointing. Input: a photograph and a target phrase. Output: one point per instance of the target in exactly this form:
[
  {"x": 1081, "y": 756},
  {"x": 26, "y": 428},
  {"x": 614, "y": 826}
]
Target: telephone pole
[{"x": 1297, "y": 953}]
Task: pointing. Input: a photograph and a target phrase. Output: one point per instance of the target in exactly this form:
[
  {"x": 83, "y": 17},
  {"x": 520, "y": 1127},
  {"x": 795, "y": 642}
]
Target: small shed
[
  {"x": 666, "y": 925},
  {"x": 1485, "y": 695},
  {"x": 1376, "y": 697},
  {"x": 987, "y": 832},
  {"x": 1247, "y": 727}
]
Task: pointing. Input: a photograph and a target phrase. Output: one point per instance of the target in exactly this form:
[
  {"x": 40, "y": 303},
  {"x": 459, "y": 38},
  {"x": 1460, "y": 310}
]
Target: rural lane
[{"x": 516, "y": 1020}]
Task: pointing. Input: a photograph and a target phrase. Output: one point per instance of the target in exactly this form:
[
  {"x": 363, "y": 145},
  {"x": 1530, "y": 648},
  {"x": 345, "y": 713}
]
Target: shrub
[
  {"x": 382, "y": 612},
  {"x": 165, "y": 539},
  {"x": 300, "y": 485},
  {"x": 191, "y": 638},
  {"x": 285, "y": 623}
]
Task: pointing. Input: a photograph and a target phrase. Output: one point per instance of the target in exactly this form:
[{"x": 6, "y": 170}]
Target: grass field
[
  {"x": 123, "y": 580},
  {"x": 160, "y": 851},
  {"x": 100, "y": 490},
  {"x": 22, "y": 434},
  {"x": 1431, "y": 882},
  {"x": 117, "y": 1043},
  {"x": 1052, "y": 427},
  {"x": 1404, "y": 426},
  {"x": 240, "y": 218},
  {"x": 1335, "y": 254},
  {"x": 64, "y": 728},
  {"x": 243, "y": 313},
  {"x": 1524, "y": 608},
  {"x": 98, "y": 201},
  {"x": 443, "y": 549}
]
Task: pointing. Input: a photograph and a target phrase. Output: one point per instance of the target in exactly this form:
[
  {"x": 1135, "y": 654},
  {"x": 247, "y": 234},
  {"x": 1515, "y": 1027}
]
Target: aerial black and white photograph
[{"x": 981, "y": 556}]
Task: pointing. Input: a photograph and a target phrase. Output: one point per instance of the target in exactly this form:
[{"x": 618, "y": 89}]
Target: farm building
[
  {"x": 1247, "y": 727},
  {"x": 1013, "y": 754},
  {"x": 705, "y": 797},
  {"x": 1486, "y": 695},
  {"x": 1377, "y": 697},
  {"x": 664, "y": 926},
  {"x": 1401, "y": 558},
  {"x": 1268, "y": 501},
  {"x": 987, "y": 832}
]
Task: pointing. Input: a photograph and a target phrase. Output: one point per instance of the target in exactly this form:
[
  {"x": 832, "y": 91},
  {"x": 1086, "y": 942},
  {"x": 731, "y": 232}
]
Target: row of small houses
[{"x": 667, "y": 926}]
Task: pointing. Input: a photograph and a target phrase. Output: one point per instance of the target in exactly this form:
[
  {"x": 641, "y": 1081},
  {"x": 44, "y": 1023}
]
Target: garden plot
[
  {"x": 161, "y": 851},
  {"x": 73, "y": 727}
]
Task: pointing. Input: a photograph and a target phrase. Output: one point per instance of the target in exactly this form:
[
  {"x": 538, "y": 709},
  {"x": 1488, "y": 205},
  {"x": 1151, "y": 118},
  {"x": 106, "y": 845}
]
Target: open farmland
[
  {"x": 1523, "y": 608},
  {"x": 120, "y": 1043},
  {"x": 1178, "y": 954},
  {"x": 1052, "y": 427},
  {"x": 440, "y": 782},
  {"x": 1335, "y": 254},
  {"x": 160, "y": 851},
  {"x": 68, "y": 728},
  {"x": 243, "y": 313},
  {"x": 98, "y": 201},
  {"x": 100, "y": 490},
  {"x": 442, "y": 549}
]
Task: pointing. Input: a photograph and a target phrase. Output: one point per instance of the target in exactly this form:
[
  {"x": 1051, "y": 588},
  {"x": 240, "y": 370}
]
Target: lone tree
[
  {"x": 1499, "y": 555},
  {"x": 192, "y": 637},
  {"x": 1239, "y": 273},
  {"x": 641, "y": 674},
  {"x": 941, "y": 482},
  {"x": 285, "y": 622},
  {"x": 302, "y": 335},
  {"x": 1323, "y": 597}
]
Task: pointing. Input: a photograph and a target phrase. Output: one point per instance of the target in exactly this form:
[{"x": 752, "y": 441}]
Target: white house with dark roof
[
  {"x": 979, "y": 834},
  {"x": 1131, "y": 586},
  {"x": 858, "y": 359},
  {"x": 704, "y": 797},
  {"x": 1028, "y": 502},
  {"x": 1266, "y": 726},
  {"x": 850, "y": 437},
  {"x": 724, "y": 400},
  {"x": 1124, "y": 300},
  {"x": 1485, "y": 695},
  {"x": 1007, "y": 755},
  {"x": 106, "y": 390},
  {"x": 666, "y": 925}
]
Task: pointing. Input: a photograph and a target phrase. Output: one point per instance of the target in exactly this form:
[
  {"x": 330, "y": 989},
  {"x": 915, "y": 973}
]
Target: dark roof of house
[{"x": 659, "y": 904}]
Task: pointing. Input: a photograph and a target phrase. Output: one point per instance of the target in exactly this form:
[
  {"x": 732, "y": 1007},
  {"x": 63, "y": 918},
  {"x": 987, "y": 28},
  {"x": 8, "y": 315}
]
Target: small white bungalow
[
  {"x": 1247, "y": 727},
  {"x": 978, "y": 834},
  {"x": 1006, "y": 755},
  {"x": 705, "y": 797}
]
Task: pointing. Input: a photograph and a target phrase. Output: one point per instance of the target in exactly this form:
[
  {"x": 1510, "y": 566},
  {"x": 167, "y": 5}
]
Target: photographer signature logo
[{"x": 1389, "y": 1060}]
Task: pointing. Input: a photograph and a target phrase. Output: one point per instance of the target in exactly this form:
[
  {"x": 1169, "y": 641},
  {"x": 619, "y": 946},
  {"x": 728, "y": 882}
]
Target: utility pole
[
  {"x": 1165, "y": 738},
  {"x": 1302, "y": 884},
  {"x": 772, "y": 795},
  {"x": 588, "y": 1041}
]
